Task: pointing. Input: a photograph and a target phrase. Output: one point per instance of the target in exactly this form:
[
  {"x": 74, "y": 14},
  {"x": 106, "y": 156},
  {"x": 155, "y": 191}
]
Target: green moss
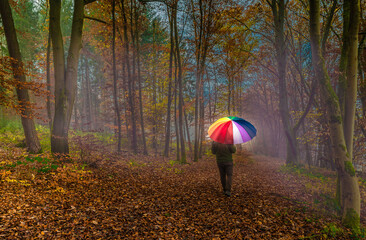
[
  {"x": 335, "y": 119},
  {"x": 352, "y": 220},
  {"x": 331, "y": 92},
  {"x": 332, "y": 230},
  {"x": 343, "y": 147},
  {"x": 349, "y": 168}
]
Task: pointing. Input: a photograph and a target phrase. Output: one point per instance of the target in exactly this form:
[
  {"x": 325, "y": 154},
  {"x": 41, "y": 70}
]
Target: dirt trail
[{"x": 155, "y": 200}]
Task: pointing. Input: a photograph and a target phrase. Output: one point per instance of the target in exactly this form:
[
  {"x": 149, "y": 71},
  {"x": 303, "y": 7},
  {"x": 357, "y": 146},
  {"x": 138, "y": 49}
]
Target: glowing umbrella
[{"x": 232, "y": 130}]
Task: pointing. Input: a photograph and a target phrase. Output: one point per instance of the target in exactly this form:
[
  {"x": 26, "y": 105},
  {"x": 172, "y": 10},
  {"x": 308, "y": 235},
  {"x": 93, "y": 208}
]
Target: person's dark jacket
[{"x": 223, "y": 152}]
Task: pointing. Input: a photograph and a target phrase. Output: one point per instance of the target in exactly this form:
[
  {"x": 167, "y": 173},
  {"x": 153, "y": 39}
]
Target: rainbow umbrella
[{"x": 232, "y": 130}]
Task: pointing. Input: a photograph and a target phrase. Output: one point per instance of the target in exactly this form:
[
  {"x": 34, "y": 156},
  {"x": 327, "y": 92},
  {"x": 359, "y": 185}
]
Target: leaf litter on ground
[{"x": 148, "y": 197}]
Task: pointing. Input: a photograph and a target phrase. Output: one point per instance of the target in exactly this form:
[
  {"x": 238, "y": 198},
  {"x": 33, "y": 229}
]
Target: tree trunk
[
  {"x": 139, "y": 80},
  {"x": 65, "y": 75},
  {"x": 362, "y": 72},
  {"x": 125, "y": 97},
  {"x": 154, "y": 95},
  {"x": 187, "y": 129},
  {"x": 278, "y": 10},
  {"x": 89, "y": 115},
  {"x": 48, "y": 76},
  {"x": 31, "y": 138},
  {"x": 175, "y": 108},
  {"x": 131, "y": 82},
  {"x": 115, "y": 86},
  {"x": 180, "y": 87},
  {"x": 198, "y": 41},
  {"x": 76, "y": 118},
  {"x": 170, "y": 76},
  {"x": 202, "y": 119},
  {"x": 350, "y": 41},
  {"x": 349, "y": 189}
]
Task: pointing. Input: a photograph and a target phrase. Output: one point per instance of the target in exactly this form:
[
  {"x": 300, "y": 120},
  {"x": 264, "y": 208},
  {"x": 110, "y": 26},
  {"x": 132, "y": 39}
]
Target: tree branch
[
  {"x": 95, "y": 19},
  {"x": 88, "y": 1}
]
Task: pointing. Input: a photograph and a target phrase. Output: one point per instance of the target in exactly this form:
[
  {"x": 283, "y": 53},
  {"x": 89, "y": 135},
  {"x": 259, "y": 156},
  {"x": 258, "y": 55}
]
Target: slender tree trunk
[
  {"x": 278, "y": 10},
  {"x": 342, "y": 81},
  {"x": 202, "y": 119},
  {"x": 362, "y": 72},
  {"x": 154, "y": 95},
  {"x": 170, "y": 76},
  {"x": 229, "y": 96},
  {"x": 31, "y": 138},
  {"x": 180, "y": 87},
  {"x": 327, "y": 28},
  {"x": 139, "y": 79},
  {"x": 131, "y": 82},
  {"x": 177, "y": 134},
  {"x": 187, "y": 129},
  {"x": 125, "y": 97},
  {"x": 351, "y": 43},
  {"x": 115, "y": 77},
  {"x": 83, "y": 112},
  {"x": 76, "y": 118},
  {"x": 198, "y": 37},
  {"x": 134, "y": 67},
  {"x": 349, "y": 188},
  {"x": 48, "y": 76},
  {"x": 88, "y": 97}
]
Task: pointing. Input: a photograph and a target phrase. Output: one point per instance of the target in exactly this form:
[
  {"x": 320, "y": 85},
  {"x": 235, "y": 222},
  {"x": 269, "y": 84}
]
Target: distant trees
[
  {"x": 204, "y": 25},
  {"x": 158, "y": 80}
]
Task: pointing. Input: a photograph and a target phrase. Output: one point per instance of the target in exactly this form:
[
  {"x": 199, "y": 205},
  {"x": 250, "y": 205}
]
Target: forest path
[{"x": 151, "y": 199}]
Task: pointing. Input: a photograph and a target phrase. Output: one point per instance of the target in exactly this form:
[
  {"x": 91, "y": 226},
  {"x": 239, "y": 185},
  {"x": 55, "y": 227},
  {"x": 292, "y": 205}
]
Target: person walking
[{"x": 224, "y": 161}]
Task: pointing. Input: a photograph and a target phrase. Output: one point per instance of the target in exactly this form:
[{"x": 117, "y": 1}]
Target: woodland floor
[{"x": 137, "y": 197}]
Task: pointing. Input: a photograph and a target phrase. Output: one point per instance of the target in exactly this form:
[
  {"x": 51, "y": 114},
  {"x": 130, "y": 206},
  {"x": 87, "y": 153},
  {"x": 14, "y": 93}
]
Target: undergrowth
[{"x": 300, "y": 170}]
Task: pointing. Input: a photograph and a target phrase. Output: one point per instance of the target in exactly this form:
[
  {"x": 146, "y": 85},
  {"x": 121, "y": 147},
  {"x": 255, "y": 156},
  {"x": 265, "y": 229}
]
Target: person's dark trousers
[{"x": 226, "y": 175}]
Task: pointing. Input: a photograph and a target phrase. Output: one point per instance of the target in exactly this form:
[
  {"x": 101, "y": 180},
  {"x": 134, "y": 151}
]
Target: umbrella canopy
[{"x": 232, "y": 130}]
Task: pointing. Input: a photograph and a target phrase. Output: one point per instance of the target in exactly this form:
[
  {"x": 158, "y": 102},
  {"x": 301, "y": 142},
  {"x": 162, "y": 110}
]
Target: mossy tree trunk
[
  {"x": 31, "y": 138},
  {"x": 348, "y": 69},
  {"x": 349, "y": 189}
]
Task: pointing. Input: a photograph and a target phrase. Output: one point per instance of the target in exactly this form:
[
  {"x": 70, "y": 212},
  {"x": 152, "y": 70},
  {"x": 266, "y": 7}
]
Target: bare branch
[
  {"x": 95, "y": 19},
  {"x": 88, "y": 1}
]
